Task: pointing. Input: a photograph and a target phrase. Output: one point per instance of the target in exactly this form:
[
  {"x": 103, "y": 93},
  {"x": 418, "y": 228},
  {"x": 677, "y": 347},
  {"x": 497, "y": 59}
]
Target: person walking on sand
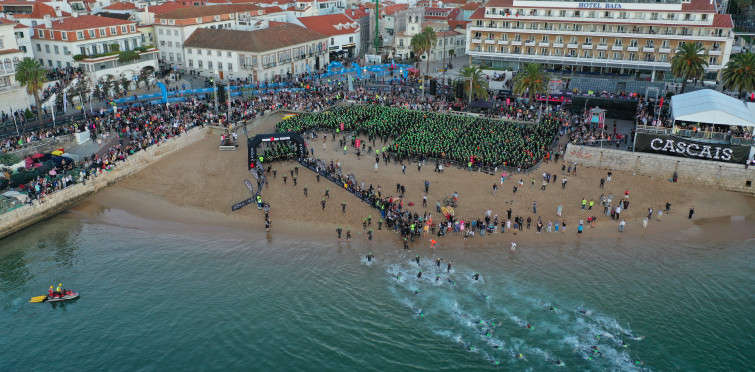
[
  {"x": 691, "y": 212},
  {"x": 534, "y": 207},
  {"x": 559, "y": 209},
  {"x": 621, "y": 225},
  {"x": 513, "y": 247},
  {"x": 660, "y": 214}
]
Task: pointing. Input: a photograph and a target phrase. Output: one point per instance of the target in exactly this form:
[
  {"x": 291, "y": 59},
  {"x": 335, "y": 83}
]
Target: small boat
[{"x": 69, "y": 296}]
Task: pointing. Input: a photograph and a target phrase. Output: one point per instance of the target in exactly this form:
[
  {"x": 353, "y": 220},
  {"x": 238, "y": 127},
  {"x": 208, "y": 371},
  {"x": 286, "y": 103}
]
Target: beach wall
[
  {"x": 45, "y": 146},
  {"x": 26, "y": 215},
  {"x": 726, "y": 176}
]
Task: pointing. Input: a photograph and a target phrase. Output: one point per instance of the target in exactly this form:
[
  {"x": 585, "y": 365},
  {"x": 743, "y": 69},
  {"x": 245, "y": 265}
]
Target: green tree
[
  {"x": 129, "y": 56},
  {"x": 689, "y": 62},
  {"x": 479, "y": 83},
  {"x": 431, "y": 40},
  {"x": 30, "y": 74},
  {"x": 144, "y": 75},
  {"x": 418, "y": 44},
  {"x": 739, "y": 73},
  {"x": 531, "y": 81}
]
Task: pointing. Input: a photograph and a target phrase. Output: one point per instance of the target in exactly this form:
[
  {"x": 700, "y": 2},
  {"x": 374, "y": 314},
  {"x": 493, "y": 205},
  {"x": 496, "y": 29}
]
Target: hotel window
[
  {"x": 664, "y": 44},
  {"x": 601, "y": 55},
  {"x": 220, "y": 54},
  {"x": 491, "y": 49},
  {"x": 123, "y": 29},
  {"x": 531, "y": 38},
  {"x": 516, "y": 50},
  {"x": 623, "y": 15},
  {"x": 593, "y": 14},
  {"x": 209, "y": 65},
  {"x": 573, "y": 40},
  {"x": 80, "y": 35},
  {"x": 504, "y": 49},
  {"x": 603, "y": 41},
  {"x": 549, "y": 13},
  {"x": 505, "y": 37},
  {"x": 545, "y": 39},
  {"x": 91, "y": 33},
  {"x": 607, "y": 15},
  {"x": 588, "y": 41},
  {"x": 230, "y": 66},
  {"x": 200, "y": 63},
  {"x": 616, "y": 55},
  {"x": 648, "y": 57},
  {"x": 632, "y": 56},
  {"x": 663, "y": 58},
  {"x": 517, "y": 37},
  {"x": 558, "y": 52},
  {"x": 577, "y": 13},
  {"x": 704, "y": 17},
  {"x": 133, "y": 28},
  {"x": 112, "y": 31},
  {"x": 653, "y": 16},
  {"x": 207, "y": 52},
  {"x": 572, "y": 52},
  {"x": 191, "y": 63},
  {"x": 41, "y": 34},
  {"x": 543, "y": 51},
  {"x": 671, "y": 16},
  {"x": 220, "y": 65},
  {"x": 228, "y": 54},
  {"x": 57, "y": 49},
  {"x": 559, "y": 39},
  {"x": 47, "y": 48},
  {"x": 633, "y": 43},
  {"x": 587, "y": 53},
  {"x": 103, "y": 32},
  {"x": 491, "y": 36},
  {"x": 64, "y": 35},
  {"x": 713, "y": 60},
  {"x": 562, "y": 13}
]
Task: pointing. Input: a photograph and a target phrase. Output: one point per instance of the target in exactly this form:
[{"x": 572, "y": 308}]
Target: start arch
[{"x": 254, "y": 142}]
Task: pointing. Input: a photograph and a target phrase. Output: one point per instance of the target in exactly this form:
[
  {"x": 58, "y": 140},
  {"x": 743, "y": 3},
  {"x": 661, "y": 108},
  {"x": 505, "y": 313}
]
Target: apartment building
[{"x": 638, "y": 37}]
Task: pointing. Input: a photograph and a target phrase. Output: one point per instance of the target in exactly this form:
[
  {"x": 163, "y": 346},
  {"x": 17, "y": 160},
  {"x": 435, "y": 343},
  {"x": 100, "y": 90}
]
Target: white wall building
[
  {"x": 12, "y": 96},
  {"x": 259, "y": 55}
]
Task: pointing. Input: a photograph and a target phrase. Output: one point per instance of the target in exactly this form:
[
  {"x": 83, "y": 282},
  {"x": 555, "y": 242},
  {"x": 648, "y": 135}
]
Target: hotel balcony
[
  {"x": 543, "y": 44},
  {"x": 572, "y": 46},
  {"x": 516, "y": 42},
  {"x": 648, "y": 49},
  {"x": 558, "y": 45},
  {"x": 529, "y": 43},
  {"x": 617, "y": 47},
  {"x": 602, "y": 47},
  {"x": 633, "y": 49},
  {"x": 476, "y": 41},
  {"x": 714, "y": 52},
  {"x": 664, "y": 50},
  {"x": 489, "y": 41},
  {"x": 503, "y": 42},
  {"x": 586, "y": 46}
]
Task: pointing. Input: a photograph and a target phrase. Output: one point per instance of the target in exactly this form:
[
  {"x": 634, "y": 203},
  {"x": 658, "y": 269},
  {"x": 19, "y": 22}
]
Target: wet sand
[{"x": 200, "y": 183}]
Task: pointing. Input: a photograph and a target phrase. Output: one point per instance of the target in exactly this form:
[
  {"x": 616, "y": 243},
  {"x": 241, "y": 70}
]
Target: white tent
[{"x": 707, "y": 106}]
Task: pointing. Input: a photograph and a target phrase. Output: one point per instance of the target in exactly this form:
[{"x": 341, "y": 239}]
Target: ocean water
[{"x": 166, "y": 296}]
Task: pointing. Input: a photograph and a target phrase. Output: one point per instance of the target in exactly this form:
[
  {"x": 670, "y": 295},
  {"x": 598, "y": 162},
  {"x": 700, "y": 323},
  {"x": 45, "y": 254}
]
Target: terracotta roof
[
  {"x": 84, "y": 22},
  {"x": 355, "y": 13},
  {"x": 121, "y": 6},
  {"x": 470, "y": 6},
  {"x": 258, "y": 41},
  {"x": 328, "y": 24},
  {"x": 500, "y": 3},
  {"x": 202, "y": 11},
  {"x": 390, "y": 9},
  {"x": 272, "y": 9},
  {"x": 722, "y": 21},
  {"x": 39, "y": 10},
  {"x": 699, "y": 5},
  {"x": 123, "y": 16},
  {"x": 458, "y": 24},
  {"x": 165, "y": 7},
  {"x": 18, "y": 25},
  {"x": 276, "y": 23},
  {"x": 703, "y": 6},
  {"x": 8, "y": 51}
]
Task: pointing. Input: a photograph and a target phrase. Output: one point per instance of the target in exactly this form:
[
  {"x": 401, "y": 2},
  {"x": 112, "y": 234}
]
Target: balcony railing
[
  {"x": 633, "y": 49},
  {"x": 602, "y": 47},
  {"x": 648, "y": 49},
  {"x": 558, "y": 45},
  {"x": 617, "y": 47},
  {"x": 586, "y": 46},
  {"x": 664, "y": 50},
  {"x": 572, "y": 46}
]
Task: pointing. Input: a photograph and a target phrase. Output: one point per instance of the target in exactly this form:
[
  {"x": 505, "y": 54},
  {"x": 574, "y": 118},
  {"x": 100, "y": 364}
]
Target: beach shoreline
[{"x": 203, "y": 183}]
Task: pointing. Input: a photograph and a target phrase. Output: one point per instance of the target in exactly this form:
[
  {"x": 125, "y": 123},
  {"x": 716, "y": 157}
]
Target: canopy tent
[{"x": 707, "y": 106}]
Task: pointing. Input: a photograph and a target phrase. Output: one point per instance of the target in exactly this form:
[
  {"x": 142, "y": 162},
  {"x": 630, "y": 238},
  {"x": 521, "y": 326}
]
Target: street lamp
[{"x": 215, "y": 90}]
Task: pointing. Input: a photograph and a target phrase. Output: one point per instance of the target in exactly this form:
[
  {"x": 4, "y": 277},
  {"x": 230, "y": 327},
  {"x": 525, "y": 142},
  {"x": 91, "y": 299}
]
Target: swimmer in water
[
  {"x": 448, "y": 269},
  {"x": 369, "y": 257},
  {"x": 476, "y": 276},
  {"x": 420, "y": 312},
  {"x": 529, "y": 326},
  {"x": 417, "y": 292},
  {"x": 551, "y": 308},
  {"x": 518, "y": 356},
  {"x": 451, "y": 281},
  {"x": 419, "y": 275},
  {"x": 417, "y": 259},
  {"x": 437, "y": 262},
  {"x": 559, "y": 363},
  {"x": 437, "y": 278},
  {"x": 406, "y": 244}
]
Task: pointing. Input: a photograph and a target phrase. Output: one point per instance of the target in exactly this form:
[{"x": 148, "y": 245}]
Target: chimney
[
  {"x": 74, "y": 14},
  {"x": 58, "y": 12},
  {"x": 48, "y": 21}
]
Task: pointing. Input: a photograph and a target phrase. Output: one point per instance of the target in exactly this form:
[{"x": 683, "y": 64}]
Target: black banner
[
  {"x": 689, "y": 148},
  {"x": 249, "y": 186},
  {"x": 242, "y": 204}
]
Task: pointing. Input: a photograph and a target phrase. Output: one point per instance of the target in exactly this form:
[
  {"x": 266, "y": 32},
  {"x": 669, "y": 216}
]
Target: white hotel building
[{"x": 621, "y": 37}]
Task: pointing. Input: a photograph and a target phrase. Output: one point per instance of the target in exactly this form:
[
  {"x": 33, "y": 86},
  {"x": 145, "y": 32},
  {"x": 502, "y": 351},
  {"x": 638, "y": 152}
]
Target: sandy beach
[{"x": 204, "y": 182}]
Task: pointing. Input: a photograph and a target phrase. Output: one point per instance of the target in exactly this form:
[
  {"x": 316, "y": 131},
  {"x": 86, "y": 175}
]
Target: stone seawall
[
  {"x": 24, "y": 216},
  {"x": 725, "y": 176}
]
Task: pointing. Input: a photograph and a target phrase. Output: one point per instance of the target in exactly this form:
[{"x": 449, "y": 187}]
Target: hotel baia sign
[{"x": 599, "y": 5}]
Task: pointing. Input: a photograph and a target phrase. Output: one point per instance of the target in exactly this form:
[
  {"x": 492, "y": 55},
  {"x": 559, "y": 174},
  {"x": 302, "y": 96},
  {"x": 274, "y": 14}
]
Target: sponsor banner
[
  {"x": 689, "y": 148},
  {"x": 249, "y": 186},
  {"x": 242, "y": 204}
]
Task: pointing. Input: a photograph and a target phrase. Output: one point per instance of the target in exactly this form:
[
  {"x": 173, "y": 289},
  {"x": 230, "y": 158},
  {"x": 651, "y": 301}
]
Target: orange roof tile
[
  {"x": 121, "y": 6},
  {"x": 202, "y": 11},
  {"x": 39, "y": 10},
  {"x": 327, "y": 24},
  {"x": 165, "y": 7},
  {"x": 722, "y": 21},
  {"x": 84, "y": 22},
  {"x": 272, "y": 9}
]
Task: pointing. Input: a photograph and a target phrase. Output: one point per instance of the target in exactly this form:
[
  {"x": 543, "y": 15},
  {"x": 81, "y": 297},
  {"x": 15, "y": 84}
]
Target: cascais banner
[{"x": 689, "y": 148}]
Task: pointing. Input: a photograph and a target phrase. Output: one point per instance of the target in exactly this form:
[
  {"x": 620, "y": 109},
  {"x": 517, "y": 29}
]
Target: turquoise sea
[{"x": 169, "y": 296}]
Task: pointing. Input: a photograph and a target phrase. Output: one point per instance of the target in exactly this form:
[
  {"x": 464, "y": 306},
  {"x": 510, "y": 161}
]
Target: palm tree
[
  {"x": 689, "y": 62},
  {"x": 431, "y": 40},
  {"x": 532, "y": 80},
  {"x": 418, "y": 45},
  {"x": 29, "y": 73},
  {"x": 479, "y": 84},
  {"x": 739, "y": 73}
]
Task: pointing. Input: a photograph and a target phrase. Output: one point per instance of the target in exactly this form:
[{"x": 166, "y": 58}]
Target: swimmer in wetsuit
[
  {"x": 437, "y": 262},
  {"x": 476, "y": 276},
  {"x": 448, "y": 269},
  {"x": 529, "y": 326},
  {"x": 417, "y": 259},
  {"x": 369, "y": 257},
  {"x": 419, "y": 275}
]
